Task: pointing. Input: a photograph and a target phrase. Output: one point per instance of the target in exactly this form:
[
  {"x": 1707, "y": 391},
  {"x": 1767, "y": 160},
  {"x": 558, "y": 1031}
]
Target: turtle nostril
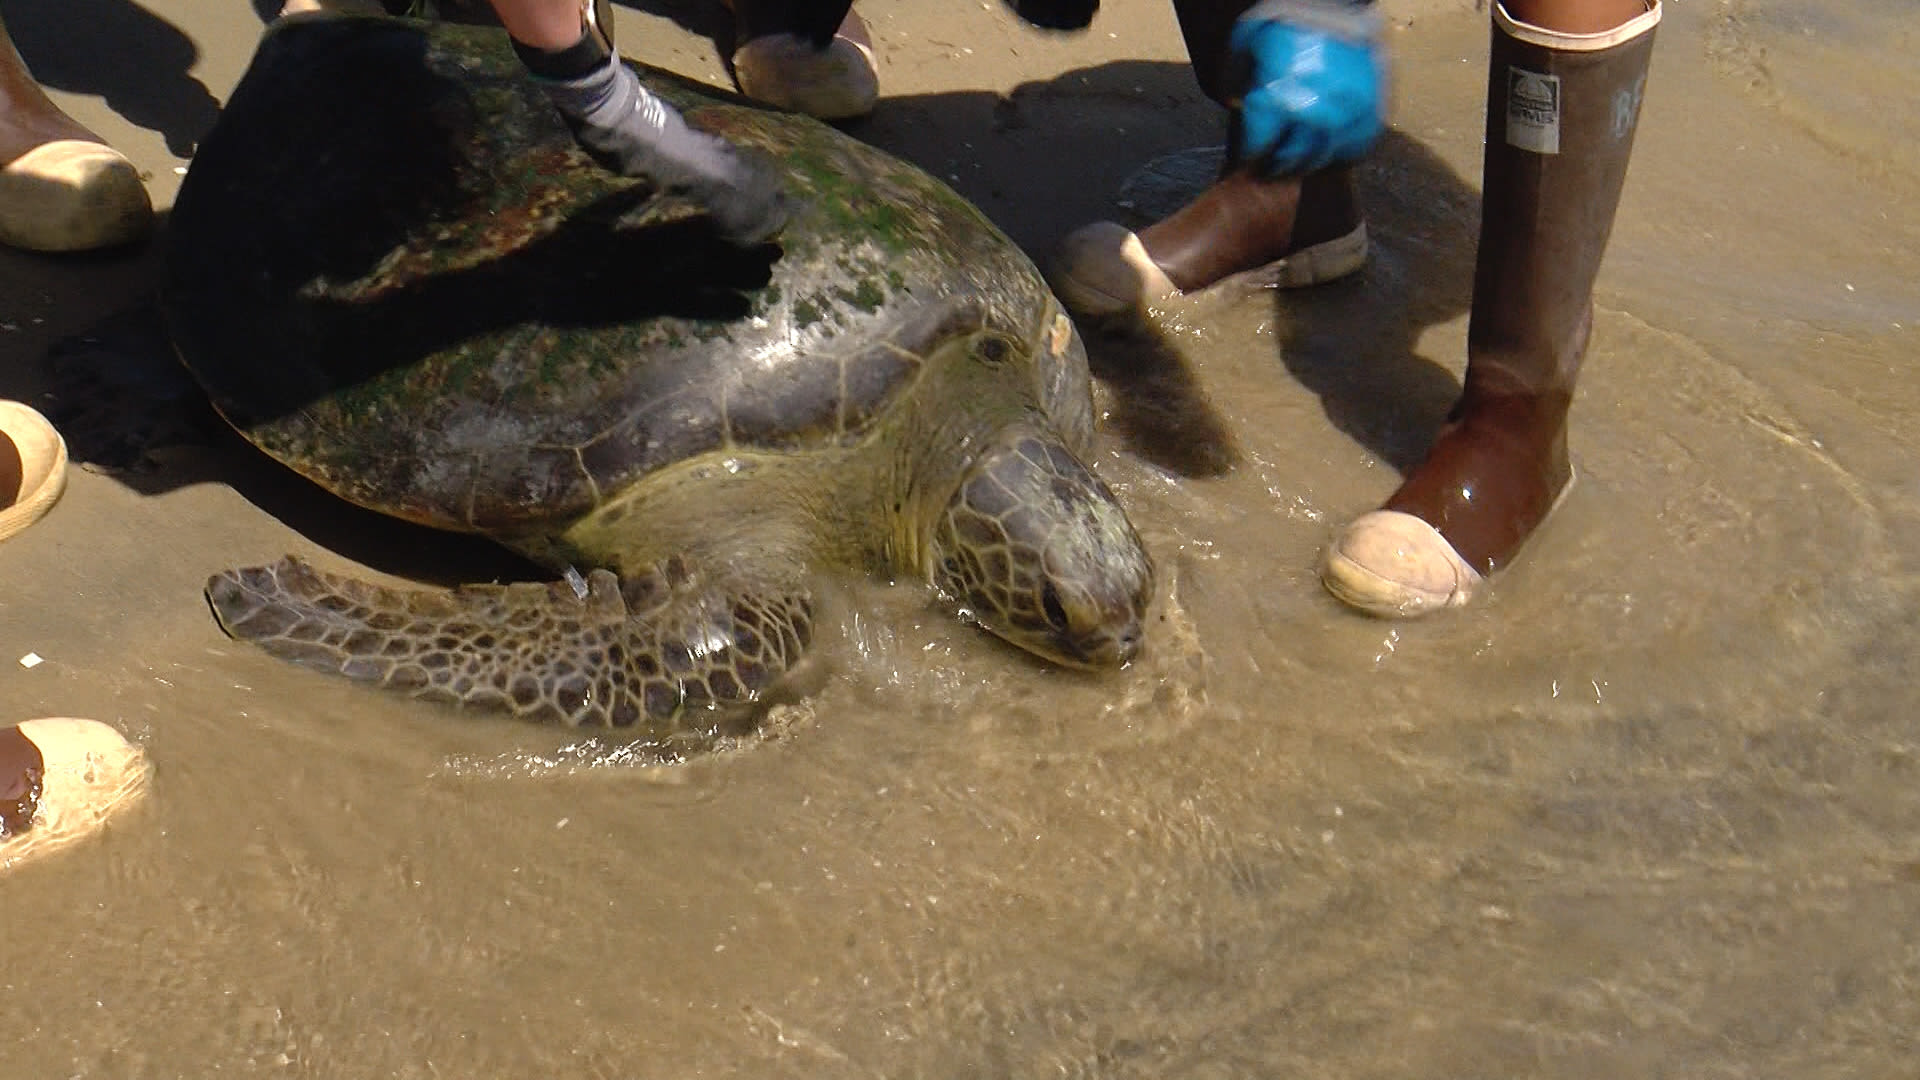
[{"x": 1056, "y": 611}]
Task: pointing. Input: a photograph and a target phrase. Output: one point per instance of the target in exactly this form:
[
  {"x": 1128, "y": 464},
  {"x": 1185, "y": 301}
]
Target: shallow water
[{"x": 1650, "y": 810}]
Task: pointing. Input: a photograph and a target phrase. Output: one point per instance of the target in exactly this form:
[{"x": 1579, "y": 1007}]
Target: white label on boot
[{"x": 1533, "y": 111}]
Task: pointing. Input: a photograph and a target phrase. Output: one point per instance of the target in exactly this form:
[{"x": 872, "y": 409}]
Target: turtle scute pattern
[
  {"x": 648, "y": 652},
  {"x": 473, "y": 326}
]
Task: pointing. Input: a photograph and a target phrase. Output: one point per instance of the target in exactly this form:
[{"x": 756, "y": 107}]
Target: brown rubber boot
[
  {"x": 1245, "y": 231},
  {"x": 1561, "y": 112},
  {"x": 811, "y": 56},
  {"x": 61, "y": 187}
]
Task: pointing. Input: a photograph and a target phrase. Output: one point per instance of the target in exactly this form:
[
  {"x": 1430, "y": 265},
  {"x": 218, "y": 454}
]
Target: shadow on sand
[{"x": 138, "y": 62}]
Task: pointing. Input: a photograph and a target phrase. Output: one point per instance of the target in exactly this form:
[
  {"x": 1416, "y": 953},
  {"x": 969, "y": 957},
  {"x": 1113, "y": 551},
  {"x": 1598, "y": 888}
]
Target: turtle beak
[{"x": 1040, "y": 552}]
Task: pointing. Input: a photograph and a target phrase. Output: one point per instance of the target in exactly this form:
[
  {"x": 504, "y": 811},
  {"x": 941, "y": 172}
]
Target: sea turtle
[{"x": 392, "y": 270}]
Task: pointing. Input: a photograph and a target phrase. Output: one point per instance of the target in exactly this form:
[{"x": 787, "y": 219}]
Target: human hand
[
  {"x": 1056, "y": 14},
  {"x": 629, "y": 130},
  {"x": 742, "y": 192},
  {"x": 1314, "y": 88}
]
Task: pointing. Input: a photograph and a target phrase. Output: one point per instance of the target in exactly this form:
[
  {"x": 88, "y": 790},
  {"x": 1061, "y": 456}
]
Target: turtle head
[{"x": 1040, "y": 553}]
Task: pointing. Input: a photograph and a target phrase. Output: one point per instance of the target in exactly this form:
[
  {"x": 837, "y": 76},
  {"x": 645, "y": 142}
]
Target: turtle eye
[
  {"x": 992, "y": 349},
  {"x": 1056, "y": 611}
]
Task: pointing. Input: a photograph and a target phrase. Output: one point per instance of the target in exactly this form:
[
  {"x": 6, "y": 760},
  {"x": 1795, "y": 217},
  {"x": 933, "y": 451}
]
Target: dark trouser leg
[
  {"x": 815, "y": 21},
  {"x": 1206, "y": 24},
  {"x": 1561, "y": 111},
  {"x": 812, "y": 56}
]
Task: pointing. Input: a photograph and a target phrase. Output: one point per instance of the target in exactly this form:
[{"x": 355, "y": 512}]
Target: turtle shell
[{"x": 393, "y": 270}]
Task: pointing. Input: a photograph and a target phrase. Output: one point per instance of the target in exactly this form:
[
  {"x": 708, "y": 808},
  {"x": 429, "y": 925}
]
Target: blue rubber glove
[{"x": 1315, "y": 86}]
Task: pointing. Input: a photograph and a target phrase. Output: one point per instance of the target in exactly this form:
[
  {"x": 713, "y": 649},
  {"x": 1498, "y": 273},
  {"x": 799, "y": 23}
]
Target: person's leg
[
  {"x": 61, "y": 187},
  {"x": 1205, "y": 27},
  {"x": 1286, "y": 231},
  {"x": 1564, "y": 88},
  {"x": 811, "y": 56},
  {"x": 549, "y": 25},
  {"x": 567, "y": 46}
]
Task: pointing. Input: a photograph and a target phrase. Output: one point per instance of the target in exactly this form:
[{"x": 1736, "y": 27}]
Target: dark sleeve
[
  {"x": 814, "y": 20},
  {"x": 1347, "y": 18}
]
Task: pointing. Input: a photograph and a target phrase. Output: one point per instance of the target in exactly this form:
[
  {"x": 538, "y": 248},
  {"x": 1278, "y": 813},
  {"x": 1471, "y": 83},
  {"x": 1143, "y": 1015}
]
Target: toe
[
  {"x": 72, "y": 195},
  {"x": 1394, "y": 565},
  {"x": 87, "y": 772},
  {"x": 1104, "y": 269}
]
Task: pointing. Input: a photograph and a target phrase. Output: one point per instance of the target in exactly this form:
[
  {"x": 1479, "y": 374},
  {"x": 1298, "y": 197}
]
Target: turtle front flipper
[{"x": 644, "y": 651}]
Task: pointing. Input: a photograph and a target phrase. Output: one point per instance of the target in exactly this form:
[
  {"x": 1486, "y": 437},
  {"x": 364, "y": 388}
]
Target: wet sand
[{"x": 1649, "y": 811}]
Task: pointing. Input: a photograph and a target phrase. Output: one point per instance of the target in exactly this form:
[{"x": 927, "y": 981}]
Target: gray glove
[{"x": 629, "y": 130}]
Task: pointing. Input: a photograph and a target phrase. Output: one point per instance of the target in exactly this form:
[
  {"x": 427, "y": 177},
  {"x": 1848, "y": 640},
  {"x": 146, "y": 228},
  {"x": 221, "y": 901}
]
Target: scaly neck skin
[
  {"x": 956, "y": 414},
  {"x": 926, "y": 474}
]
